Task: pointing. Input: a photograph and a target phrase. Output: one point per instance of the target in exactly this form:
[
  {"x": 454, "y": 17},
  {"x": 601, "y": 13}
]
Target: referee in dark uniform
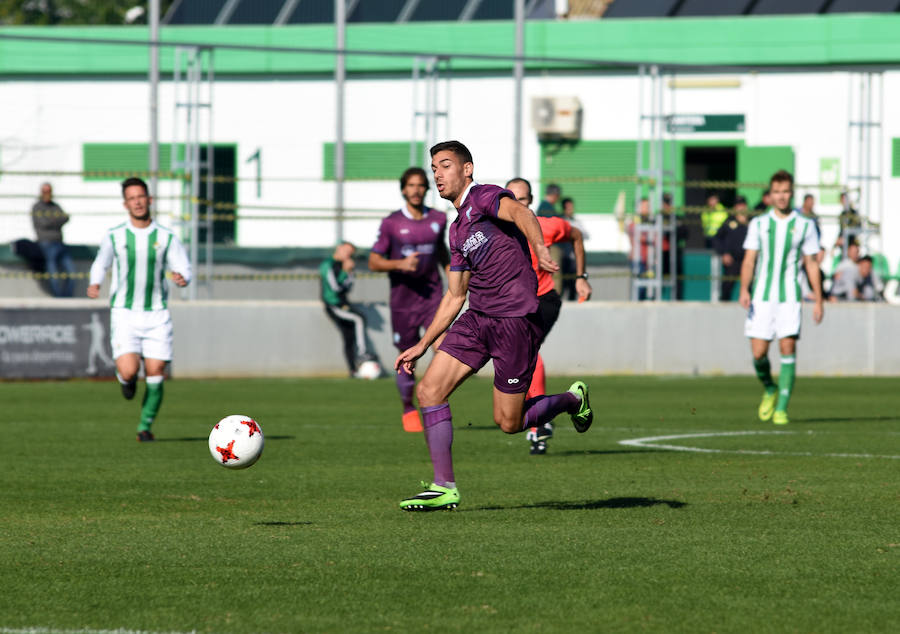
[{"x": 729, "y": 244}]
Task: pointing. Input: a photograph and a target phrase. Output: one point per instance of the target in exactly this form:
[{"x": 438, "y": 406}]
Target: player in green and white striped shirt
[
  {"x": 781, "y": 239},
  {"x": 140, "y": 251}
]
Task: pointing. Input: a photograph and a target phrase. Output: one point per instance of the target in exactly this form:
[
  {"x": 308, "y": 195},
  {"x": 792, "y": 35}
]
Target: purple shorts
[
  {"x": 511, "y": 342},
  {"x": 408, "y": 320}
]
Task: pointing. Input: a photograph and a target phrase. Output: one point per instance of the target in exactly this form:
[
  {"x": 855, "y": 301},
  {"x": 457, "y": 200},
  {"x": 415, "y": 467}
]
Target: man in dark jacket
[
  {"x": 729, "y": 244},
  {"x": 48, "y": 219}
]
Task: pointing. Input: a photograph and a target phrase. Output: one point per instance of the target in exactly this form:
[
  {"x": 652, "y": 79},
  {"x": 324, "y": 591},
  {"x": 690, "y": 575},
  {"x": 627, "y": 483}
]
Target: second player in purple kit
[
  {"x": 410, "y": 248},
  {"x": 491, "y": 267}
]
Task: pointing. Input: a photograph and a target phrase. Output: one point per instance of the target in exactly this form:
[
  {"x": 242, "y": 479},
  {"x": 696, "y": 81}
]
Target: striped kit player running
[{"x": 140, "y": 251}]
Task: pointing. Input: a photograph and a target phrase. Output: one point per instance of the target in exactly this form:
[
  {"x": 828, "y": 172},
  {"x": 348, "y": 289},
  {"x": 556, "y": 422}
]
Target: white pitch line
[
  {"x": 652, "y": 442},
  {"x": 53, "y": 630}
]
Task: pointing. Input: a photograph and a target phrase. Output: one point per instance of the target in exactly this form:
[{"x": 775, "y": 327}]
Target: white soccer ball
[
  {"x": 236, "y": 442},
  {"x": 368, "y": 370}
]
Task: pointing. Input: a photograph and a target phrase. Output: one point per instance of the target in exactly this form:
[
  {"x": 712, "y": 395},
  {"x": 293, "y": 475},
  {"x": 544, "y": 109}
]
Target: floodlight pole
[
  {"x": 518, "y": 74},
  {"x": 340, "y": 72},
  {"x": 153, "y": 162}
]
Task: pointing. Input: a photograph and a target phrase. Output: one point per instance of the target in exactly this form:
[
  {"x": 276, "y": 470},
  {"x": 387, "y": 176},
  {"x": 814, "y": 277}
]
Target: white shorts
[
  {"x": 771, "y": 320},
  {"x": 147, "y": 333}
]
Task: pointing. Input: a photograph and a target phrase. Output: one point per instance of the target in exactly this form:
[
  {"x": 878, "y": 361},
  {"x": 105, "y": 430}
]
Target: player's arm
[
  {"x": 513, "y": 211},
  {"x": 747, "y": 268},
  {"x": 99, "y": 267},
  {"x": 815, "y": 283},
  {"x": 451, "y": 303},
  {"x": 582, "y": 287},
  {"x": 179, "y": 263},
  {"x": 378, "y": 262}
]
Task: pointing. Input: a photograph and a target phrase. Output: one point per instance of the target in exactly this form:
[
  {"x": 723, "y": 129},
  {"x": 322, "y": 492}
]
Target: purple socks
[
  {"x": 542, "y": 409},
  {"x": 438, "y": 424},
  {"x": 405, "y": 385}
]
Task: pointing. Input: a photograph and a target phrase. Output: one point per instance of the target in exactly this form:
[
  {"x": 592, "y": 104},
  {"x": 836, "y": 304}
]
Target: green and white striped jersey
[
  {"x": 781, "y": 243},
  {"x": 139, "y": 259}
]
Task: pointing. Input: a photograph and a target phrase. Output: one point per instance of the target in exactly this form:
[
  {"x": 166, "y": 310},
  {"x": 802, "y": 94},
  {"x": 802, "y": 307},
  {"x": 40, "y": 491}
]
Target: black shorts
[{"x": 547, "y": 312}]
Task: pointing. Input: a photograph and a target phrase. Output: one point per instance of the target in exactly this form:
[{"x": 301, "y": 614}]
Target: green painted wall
[
  {"x": 108, "y": 161},
  {"x": 371, "y": 161},
  {"x": 816, "y": 40}
]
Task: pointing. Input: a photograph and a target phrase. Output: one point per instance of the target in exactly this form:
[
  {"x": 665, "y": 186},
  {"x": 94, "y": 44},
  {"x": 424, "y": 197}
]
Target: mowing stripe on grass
[{"x": 652, "y": 442}]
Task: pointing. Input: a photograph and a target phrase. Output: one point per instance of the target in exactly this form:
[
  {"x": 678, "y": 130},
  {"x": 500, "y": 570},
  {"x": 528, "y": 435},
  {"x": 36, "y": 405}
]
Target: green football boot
[
  {"x": 433, "y": 498},
  {"x": 583, "y": 418},
  {"x": 767, "y": 405}
]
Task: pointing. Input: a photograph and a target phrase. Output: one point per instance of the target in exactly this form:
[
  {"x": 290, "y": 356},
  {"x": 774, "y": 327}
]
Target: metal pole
[
  {"x": 154, "y": 97},
  {"x": 519, "y": 75},
  {"x": 340, "y": 72}
]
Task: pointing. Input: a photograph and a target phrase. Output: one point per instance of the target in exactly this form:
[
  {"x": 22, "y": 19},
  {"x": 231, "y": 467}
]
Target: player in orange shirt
[{"x": 555, "y": 230}]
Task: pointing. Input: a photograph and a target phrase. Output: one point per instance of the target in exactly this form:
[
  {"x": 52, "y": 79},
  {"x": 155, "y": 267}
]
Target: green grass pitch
[{"x": 701, "y": 531}]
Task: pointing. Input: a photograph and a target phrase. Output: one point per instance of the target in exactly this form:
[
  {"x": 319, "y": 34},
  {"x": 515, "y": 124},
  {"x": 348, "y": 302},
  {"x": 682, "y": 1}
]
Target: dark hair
[
  {"x": 740, "y": 200},
  {"x": 667, "y": 198},
  {"x": 519, "y": 180},
  {"x": 132, "y": 181},
  {"x": 808, "y": 196},
  {"x": 552, "y": 190},
  {"x": 461, "y": 151},
  {"x": 782, "y": 176},
  {"x": 566, "y": 200},
  {"x": 865, "y": 258},
  {"x": 413, "y": 171}
]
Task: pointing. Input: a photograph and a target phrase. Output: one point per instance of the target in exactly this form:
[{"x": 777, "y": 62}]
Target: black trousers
[{"x": 352, "y": 325}]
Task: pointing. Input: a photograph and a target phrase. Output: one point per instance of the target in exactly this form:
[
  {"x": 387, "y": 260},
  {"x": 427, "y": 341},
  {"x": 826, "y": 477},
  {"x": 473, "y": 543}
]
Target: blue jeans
[{"x": 59, "y": 261}]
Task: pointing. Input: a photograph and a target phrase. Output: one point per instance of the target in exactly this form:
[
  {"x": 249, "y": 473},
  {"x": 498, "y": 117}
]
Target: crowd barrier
[{"x": 62, "y": 338}]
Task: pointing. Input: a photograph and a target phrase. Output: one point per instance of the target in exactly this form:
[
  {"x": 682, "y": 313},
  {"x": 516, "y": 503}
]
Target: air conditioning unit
[{"x": 556, "y": 117}]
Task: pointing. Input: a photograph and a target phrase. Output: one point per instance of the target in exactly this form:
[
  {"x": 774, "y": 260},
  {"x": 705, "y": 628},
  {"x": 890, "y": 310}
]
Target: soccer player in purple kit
[
  {"x": 410, "y": 247},
  {"x": 490, "y": 264}
]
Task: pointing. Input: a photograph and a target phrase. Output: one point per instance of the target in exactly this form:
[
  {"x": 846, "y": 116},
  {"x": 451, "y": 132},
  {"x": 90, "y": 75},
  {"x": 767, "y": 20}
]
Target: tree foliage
[{"x": 72, "y": 12}]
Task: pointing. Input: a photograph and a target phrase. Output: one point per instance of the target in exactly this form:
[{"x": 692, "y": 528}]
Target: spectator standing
[
  {"x": 765, "y": 201},
  {"x": 547, "y": 206},
  {"x": 567, "y": 258},
  {"x": 729, "y": 244},
  {"x": 640, "y": 244},
  {"x": 849, "y": 219},
  {"x": 713, "y": 217},
  {"x": 48, "y": 219}
]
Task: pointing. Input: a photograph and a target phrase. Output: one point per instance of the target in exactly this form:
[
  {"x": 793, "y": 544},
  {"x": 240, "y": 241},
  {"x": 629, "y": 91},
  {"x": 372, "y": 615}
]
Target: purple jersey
[
  {"x": 400, "y": 235},
  {"x": 503, "y": 284}
]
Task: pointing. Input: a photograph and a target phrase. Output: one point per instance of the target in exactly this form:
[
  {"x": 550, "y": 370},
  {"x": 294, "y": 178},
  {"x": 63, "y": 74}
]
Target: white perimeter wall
[{"x": 44, "y": 123}]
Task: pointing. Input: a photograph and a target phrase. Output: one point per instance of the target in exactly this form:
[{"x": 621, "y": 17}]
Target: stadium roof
[
  {"x": 281, "y": 12},
  {"x": 284, "y": 12}
]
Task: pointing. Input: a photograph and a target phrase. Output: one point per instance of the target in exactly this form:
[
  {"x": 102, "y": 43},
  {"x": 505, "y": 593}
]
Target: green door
[{"x": 756, "y": 164}]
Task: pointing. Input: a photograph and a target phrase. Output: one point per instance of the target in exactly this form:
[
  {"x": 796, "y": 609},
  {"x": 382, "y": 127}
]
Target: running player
[
  {"x": 410, "y": 247},
  {"x": 489, "y": 264},
  {"x": 140, "y": 251},
  {"x": 781, "y": 238},
  {"x": 555, "y": 230}
]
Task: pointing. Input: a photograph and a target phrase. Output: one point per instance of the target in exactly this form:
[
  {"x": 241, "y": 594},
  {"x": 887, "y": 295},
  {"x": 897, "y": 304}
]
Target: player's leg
[
  {"x": 760, "y": 329},
  {"x": 153, "y": 396},
  {"x": 444, "y": 375},
  {"x": 513, "y": 347},
  {"x": 788, "y": 348},
  {"x": 406, "y": 334},
  {"x": 787, "y": 329},
  {"x": 126, "y": 347},
  {"x": 549, "y": 305},
  {"x": 157, "y": 352}
]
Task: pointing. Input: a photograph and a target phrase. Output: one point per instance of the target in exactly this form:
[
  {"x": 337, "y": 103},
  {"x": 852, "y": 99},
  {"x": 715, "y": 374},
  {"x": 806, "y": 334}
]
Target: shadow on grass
[
  {"x": 206, "y": 439},
  {"x": 612, "y": 503},
  {"x": 282, "y": 524},
  {"x": 846, "y": 419}
]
